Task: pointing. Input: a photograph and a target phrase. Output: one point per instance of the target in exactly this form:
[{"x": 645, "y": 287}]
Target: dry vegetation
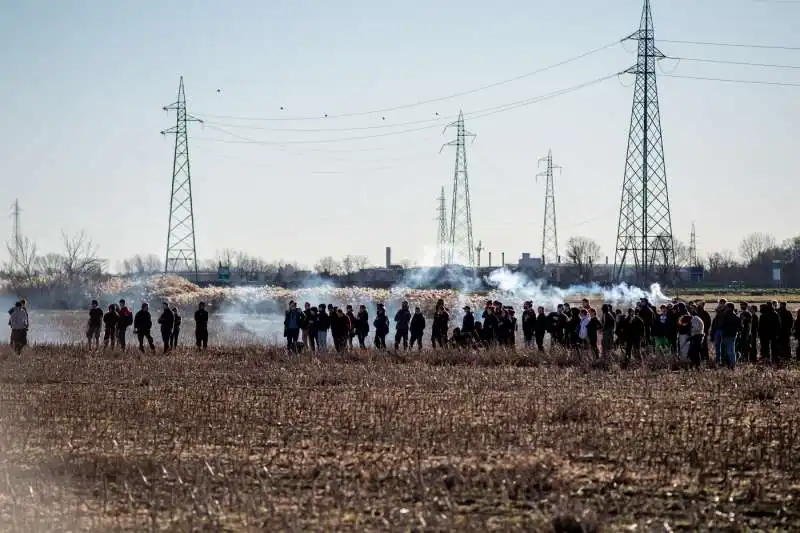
[{"x": 243, "y": 440}]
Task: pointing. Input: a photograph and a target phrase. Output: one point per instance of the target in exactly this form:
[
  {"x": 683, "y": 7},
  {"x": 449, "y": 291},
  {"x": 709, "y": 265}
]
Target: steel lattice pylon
[
  {"x": 645, "y": 226},
  {"x": 461, "y": 246},
  {"x": 549, "y": 229},
  {"x": 181, "y": 253},
  {"x": 442, "y": 241}
]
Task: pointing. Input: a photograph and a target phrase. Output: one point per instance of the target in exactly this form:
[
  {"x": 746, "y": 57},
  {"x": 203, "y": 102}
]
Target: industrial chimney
[
  {"x": 388, "y": 257},
  {"x": 490, "y": 258},
  {"x": 502, "y": 259}
]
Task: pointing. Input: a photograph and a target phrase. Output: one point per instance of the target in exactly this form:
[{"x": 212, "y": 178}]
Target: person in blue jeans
[{"x": 729, "y": 325}]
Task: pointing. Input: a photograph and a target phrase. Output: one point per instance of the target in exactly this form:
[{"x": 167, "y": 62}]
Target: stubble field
[{"x": 248, "y": 439}]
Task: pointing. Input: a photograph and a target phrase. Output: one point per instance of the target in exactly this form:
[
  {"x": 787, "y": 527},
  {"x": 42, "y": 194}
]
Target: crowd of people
[
  {"x": 114, "y": 323},
  {"x": 740, "y": 332},
  {"x": 685, "y": 329}
]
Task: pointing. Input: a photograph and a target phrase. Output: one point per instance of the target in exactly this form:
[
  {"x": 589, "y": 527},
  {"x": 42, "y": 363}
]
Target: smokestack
[
  {"x": 502, "y": 259},
  {"x": 490, "y": 258},
  {"x": 388, "y": 257}
]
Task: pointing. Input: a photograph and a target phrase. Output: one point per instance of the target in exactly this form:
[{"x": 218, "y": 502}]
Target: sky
[{"x": 84, "y": 83}]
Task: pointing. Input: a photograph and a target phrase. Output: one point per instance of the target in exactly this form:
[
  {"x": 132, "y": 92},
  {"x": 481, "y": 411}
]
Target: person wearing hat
[{"x": 468, "y": 322}]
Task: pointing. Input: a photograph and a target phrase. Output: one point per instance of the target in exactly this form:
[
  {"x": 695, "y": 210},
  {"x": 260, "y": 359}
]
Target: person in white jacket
[{"x": 19, "y": 327}]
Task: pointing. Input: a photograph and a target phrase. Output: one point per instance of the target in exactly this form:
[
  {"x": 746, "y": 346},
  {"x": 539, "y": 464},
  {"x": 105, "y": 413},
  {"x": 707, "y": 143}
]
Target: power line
[
  {"x": 726, "y": 62},
  {"x": 730, "y": 80},
  {"x": 424, "y": 102},
  {"x": 732, "y": 45},
  {"x": 241, "y": 139}
]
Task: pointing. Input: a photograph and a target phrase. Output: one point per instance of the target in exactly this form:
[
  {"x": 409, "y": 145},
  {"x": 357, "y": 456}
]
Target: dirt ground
[{"x": 248, "y": 440}]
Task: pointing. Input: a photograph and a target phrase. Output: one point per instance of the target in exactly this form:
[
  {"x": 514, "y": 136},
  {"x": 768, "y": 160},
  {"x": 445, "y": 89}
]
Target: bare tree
[
  {"x": 360, "y": 262},
  {"x": 142, "y": 265},
  {"x": 719, "y": 261},
  {"x": 50, "y": 264},
  {"x": 681, "y": 251},
  {"x": 754, "y": 245},
  {"x": 584, "y": 254},
  {"x": 226, "y": 257},
  {"x": 24, "y": 259},
  {"x": 328, "y": 265},
  {"x": 80, "y": 257}
]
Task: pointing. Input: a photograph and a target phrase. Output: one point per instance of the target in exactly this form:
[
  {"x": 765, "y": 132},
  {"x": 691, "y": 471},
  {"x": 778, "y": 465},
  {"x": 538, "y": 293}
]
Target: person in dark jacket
[
  {"x": 797, "y": 333},
  {"x": 528, "y": 324},
  {"x": 176, "y": 329},
  {"x": 609, "y": 325},
  {"x": 647, "y": 316},
  {"x": 540, "y": 328},
  {"x": 754, "y": 333},
  {"x": 441, "y": 323},
  {"x": 362, "y": 326},
  {"x": 744, "y": 341},
  {"x": 592, "y": 328},
  {"x": 353, "y": 326},
  {"x": 123, "y": 323},
  {"x": 323, "y": 325},
  {"x": 634, "y": 334},
  {"x": 381, "y": 324},
  {"x": 166, "y": 321},
  {"x": 95, "y": 324},
  {"x": 769, "y": 329},
  {"x": 340, "y": 329},
  {"x": 110, "y": 320},
  {"x": 468, "y": 322},
  {"x": 417, "y": 327},
  {"x": 292, "y": 324},
  {"x": 402, "y": 320},
  {"x": 491, "y": 324},
  {"x": 785, "y": 336},
  {"x": 729, "y": 325},
  {"x": 142, "y": 324},
  {"x": 201, "y": 327},
  {"x": 705, "y": 316},
  {"x": 311, "y": 316}
]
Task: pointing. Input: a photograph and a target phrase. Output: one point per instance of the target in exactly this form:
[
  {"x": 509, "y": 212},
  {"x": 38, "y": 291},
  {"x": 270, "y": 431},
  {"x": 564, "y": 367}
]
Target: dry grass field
[{"x": 253, "y": 440}]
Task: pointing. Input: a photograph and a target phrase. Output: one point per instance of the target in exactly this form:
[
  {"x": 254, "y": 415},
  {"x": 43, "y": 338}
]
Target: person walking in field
[
  {"x": 142, "y": 324},
  {"x": 95, "y": 324},
  {"x": 381, "y": 325},
  {"x": 19, "y": 327},
  {"x": 201, "y": 327},
  {"x": 176, "y": 329},
  {"x": 166, "y": 321},
  {"x": 124, "y": 321},
  {"x": 362, "y": 326},
  {"x": 292, "y": 323},
  {"x": 417, "y": 328},
  {"x": 110, "y": 320},
  {"x": 402, "y": 321}
]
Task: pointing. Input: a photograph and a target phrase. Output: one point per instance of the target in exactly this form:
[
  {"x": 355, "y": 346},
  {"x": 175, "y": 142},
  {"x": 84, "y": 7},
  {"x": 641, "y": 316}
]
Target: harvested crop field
[{"x": 248, "y": 440}]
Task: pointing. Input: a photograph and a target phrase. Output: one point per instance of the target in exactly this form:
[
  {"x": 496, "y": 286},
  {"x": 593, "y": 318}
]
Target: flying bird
[
  {"x": 219, "y": 91},
  {"x": 281, "y": 108}
]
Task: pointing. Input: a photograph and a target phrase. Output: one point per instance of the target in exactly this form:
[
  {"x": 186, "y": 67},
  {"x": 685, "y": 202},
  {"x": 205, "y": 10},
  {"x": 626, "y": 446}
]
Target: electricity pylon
[
  {"x": 181, "y": 253},
  {"x": 442, "y": 241},
  {"x": 17, "y": 233},
  {"x": 644, "y": 233},
  {"x": 461, "y": 246},
  {"x": 693, "y": 248},
  {"x": 549, "y": 229}
]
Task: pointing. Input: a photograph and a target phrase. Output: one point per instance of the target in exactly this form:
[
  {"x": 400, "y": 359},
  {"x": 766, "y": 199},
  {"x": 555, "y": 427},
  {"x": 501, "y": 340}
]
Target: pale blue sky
[{"x": 84, "y": 82}]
